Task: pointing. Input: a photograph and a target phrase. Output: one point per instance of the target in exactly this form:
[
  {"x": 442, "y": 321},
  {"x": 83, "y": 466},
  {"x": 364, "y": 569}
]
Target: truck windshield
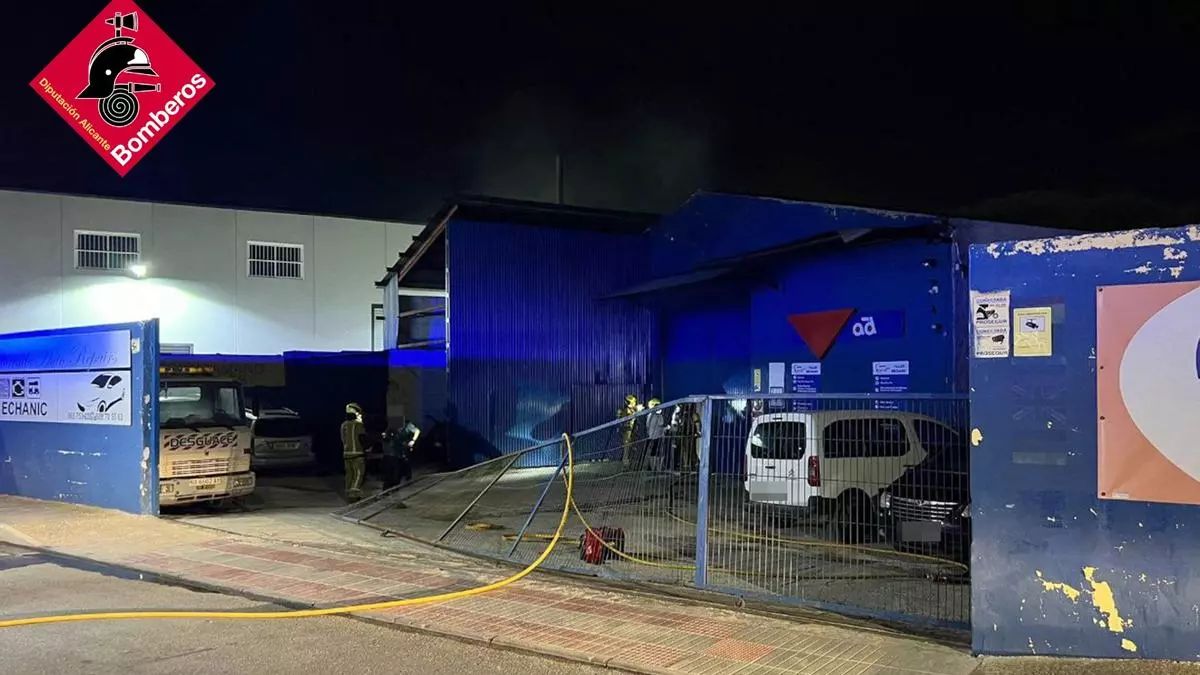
[{"x": 199, "y": 404}]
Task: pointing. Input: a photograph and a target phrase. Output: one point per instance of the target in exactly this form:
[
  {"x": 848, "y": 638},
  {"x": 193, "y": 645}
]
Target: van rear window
[
  {"x": 279, "y": 427},
  {"x": 778, "y": 440}
]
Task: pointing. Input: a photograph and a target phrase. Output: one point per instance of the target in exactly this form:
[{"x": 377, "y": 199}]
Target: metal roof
[{"x": 430, "y": 242}]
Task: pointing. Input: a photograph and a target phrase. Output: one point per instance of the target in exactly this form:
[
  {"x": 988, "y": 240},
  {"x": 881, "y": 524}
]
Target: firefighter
[
  {"x": 680, "y": 440},
  {"x": 656, "y": 431},
  {"x": 632, "y": 407},
  {"x": 397, "y": 454},
  {"x": 689, "y": 437},
  {"x": 353, "y": 432}
]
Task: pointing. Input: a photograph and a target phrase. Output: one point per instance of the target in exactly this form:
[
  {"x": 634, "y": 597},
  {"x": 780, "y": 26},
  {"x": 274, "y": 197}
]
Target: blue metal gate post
[{"x": 702, "y": 476}]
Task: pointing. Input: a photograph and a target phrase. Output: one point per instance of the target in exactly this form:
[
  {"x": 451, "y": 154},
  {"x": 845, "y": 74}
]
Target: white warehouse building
[{"x": 224, "y": 281}]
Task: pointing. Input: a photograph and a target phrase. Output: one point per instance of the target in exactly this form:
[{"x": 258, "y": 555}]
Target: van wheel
[{"x": 853, "y": 518}]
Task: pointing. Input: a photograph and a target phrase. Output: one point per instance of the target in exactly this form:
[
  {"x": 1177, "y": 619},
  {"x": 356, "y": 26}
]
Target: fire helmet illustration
[{"x": 112, "y": 59}]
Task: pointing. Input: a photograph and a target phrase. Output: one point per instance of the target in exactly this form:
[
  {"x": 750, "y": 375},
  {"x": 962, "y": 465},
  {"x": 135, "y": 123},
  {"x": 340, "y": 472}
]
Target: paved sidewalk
[{"x": 543, "y": 614}]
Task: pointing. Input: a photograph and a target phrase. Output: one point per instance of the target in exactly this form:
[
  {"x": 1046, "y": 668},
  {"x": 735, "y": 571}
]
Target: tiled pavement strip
[{"x": 549, "y": 615}]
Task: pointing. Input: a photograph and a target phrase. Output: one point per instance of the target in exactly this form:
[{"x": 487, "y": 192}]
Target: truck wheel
[{"x": 853, "y": 519}]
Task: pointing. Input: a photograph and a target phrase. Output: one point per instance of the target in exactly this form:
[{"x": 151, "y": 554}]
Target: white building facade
[{"x": 220, "y": 280}]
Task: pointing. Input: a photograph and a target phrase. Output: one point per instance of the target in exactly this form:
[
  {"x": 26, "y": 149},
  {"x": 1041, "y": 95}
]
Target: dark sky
[{"x": 1070, "y": 113}]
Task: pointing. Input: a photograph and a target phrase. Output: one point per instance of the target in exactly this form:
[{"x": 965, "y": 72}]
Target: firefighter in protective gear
[
  {"x": 656, "y": 431},
  {"x": 632, "y": 407},
  {"x": 397, "y": 454},
  {"x": 690, "y": 437},
  {"x": 354, "y": 450}
]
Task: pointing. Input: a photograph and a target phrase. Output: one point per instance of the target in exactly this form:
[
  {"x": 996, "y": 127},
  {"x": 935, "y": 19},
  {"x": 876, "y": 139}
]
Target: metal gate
[{"x": 857, "y": 503}]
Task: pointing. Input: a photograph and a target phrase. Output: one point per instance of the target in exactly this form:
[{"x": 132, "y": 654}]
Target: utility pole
[{"x": 558, "y": 176}]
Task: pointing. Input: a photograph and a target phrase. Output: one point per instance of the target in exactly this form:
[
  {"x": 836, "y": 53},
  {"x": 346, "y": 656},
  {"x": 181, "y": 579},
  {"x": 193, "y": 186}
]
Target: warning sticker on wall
[
  {"x": 775, "y": 380},
  {"x": 1032, "y": 332},
  {"x": 990, "y": 324}
]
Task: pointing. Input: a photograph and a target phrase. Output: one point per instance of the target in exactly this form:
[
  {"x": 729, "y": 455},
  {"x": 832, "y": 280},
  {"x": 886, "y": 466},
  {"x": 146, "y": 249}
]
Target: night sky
[{"x": 1075, "y": 114}]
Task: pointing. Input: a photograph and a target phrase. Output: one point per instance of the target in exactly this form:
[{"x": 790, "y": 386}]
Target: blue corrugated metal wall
[
  {"x": 531, "y": 347},
  {"x": 920, "y": 284},
  {"x": 906, "y": 284},
  {"x": 1037, "y": 520},
  {"x": 108, "y": 465},
  {"x": 706, "y": 348}
]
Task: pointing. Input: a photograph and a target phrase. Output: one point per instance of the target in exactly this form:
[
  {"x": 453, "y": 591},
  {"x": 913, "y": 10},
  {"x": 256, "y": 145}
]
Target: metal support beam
[
  {"x": 702, "y": 483},
  {"x": 538, "y": 505}
]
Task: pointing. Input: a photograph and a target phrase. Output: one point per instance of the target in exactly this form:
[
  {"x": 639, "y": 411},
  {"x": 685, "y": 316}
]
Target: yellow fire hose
[{"x": 329, "y": 611}]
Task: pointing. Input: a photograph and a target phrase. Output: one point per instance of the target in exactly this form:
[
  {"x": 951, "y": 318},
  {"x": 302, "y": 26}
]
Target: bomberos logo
[{"x": 133, "y": 84}]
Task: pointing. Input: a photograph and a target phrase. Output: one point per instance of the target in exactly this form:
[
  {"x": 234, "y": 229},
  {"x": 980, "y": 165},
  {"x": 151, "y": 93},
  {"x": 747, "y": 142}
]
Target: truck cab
[{"x": 204, "y": 438}]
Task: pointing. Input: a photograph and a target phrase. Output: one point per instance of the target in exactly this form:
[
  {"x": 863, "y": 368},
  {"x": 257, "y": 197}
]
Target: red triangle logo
[{"x": 820, "y": 329}]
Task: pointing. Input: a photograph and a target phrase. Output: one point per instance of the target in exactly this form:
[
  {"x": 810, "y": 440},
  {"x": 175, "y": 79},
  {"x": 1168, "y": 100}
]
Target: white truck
[{"x": 204, "y": 437}]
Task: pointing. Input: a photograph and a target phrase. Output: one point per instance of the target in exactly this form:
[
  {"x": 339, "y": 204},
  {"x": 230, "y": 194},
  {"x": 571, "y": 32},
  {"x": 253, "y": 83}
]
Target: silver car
[{"x": 280, "y": 438}]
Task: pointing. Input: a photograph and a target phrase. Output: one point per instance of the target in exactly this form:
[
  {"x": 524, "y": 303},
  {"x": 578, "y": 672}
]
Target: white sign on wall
[
  {"x": 97, "y": 397},
  {"x": 108, "y": 349},
  {"x": 990, "y": 324}
]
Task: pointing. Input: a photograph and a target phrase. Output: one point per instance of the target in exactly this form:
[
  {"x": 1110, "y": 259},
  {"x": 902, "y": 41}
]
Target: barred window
[
  {"x": 106, "y": 250},
  {"x": 274, "y": 261}
]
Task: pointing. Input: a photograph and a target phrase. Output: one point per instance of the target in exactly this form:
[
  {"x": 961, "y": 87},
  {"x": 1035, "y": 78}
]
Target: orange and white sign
[{"x": 1148, "y": 392}]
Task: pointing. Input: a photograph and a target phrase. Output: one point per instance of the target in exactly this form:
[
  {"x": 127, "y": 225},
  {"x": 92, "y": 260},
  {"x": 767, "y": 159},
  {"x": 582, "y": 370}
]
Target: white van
[{"x": 834, "y": 461}]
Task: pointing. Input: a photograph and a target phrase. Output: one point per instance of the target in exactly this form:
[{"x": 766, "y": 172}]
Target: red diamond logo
[
  {"x": 122, "y": 84},
  {"x": 820, "y": 329}
]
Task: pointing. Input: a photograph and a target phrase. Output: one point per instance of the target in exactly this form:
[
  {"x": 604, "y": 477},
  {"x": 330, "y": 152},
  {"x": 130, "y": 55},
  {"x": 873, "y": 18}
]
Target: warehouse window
[
  {"x": 106, "y": 250},
  {"x": 174, "y": 348},
  {"x": 274, "y": 261}
]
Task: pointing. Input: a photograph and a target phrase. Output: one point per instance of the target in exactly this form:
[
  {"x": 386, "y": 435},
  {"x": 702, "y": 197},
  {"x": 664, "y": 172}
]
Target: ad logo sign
[
  {"x": 122, "y": 84},
  {"x": 883, "y": 324}
]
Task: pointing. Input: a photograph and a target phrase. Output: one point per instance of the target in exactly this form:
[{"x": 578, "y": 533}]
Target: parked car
[
  {"x": 280, "y": 438},
  {"x": 833, "y": 462},
  {"x": 928, "y": 509}
]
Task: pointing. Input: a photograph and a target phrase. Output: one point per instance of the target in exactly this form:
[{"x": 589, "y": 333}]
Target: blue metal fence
[{"x": 858, "y": 503}]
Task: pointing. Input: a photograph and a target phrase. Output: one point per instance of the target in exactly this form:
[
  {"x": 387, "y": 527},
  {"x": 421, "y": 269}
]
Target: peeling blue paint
[{"x": 1044, "y": 517}]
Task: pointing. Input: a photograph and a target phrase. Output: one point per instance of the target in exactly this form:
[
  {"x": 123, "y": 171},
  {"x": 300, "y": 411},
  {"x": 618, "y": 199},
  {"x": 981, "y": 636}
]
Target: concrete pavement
[
  {"x": 318, "y": 561},
  {"x": 574, "y": 620},
  {"x": 31, "y": 583}
]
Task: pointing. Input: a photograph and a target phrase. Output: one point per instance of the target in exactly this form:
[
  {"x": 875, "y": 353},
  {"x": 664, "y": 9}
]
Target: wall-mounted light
[{"x": 139, "y": 270}]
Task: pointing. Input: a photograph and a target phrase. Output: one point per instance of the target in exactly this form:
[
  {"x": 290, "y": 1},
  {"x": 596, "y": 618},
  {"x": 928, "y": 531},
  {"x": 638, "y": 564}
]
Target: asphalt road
[{"x": 31, "y": 584}]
